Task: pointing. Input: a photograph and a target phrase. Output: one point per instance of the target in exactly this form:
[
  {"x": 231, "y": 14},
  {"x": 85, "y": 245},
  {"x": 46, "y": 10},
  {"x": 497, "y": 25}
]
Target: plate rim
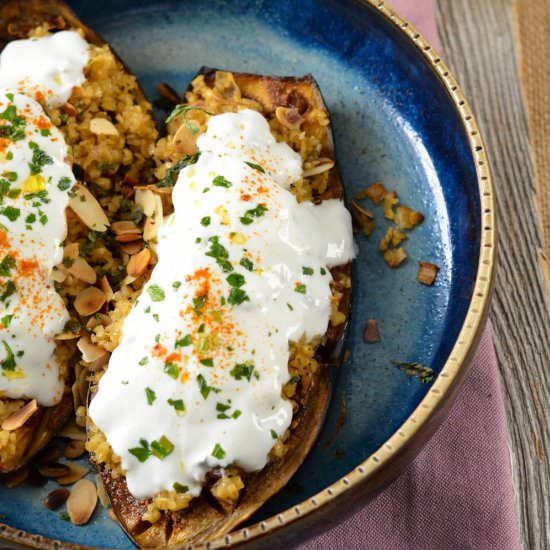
[{"x": 444, "y": 387}]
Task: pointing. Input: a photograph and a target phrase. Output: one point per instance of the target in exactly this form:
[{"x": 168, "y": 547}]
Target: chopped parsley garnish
[
  {"x": 173, "y": 171},
  {"x": 204, "y": 388},
  {"x": 307, "y": 270},
  {"x": 172, "y": 370},
  {"x": 176, "y": 285},
  {"x": 162, "y": 448},
  {"x": 255, "y": 166},
  {"x": 235, "y": 280},
  {"x": 6, "y": 320},
  {"x": 143, "y": 361},
  {"x": 151, "y": 395},
  {"x": 274, "y": 434},
  {"x": 7, "y": 263},
  {"x": 8, "y": 363},
  {"x": 198, "y": 304},
  {"x": 300, "y": 289},
  {"x": 247, "y": 264},
  {"x": 294, "y": 379},
  {"x": 237, "y": 296},
  {"x": 64, "y": 183},
  {"x": 289, "y": 306},
  {"x": 323, "y": 271},
  {"x": 249, "y": 215},
  {"x": 206, "y": 221},
  {"x": 143, "y": 452},
  {"x": 220, "y": 254},
  {"x": 10, "y": 212},
  {"x": 220, "y": 181},
  {"x": 45, "y": 132},
  {"x": 156, "y": 317},
  {"x": 9, "y": 289},
  {"x": 178, "y": 404},
  {"x": 208, "y": 362},
  {"x": 421, "y": 372},
  {"x": 16, "y": 130},
  {"x": 156, "y": 293},
  {"x": 179, "y": 488},
  {"x": 10, "y": 96},
  {"x": 223, "y": 408},
  {"x": 39, "y": 159},
  {"x": 242, "y": 370},
  {"x": 218, "y": 452},
  {"x": 183, "y": 342}
]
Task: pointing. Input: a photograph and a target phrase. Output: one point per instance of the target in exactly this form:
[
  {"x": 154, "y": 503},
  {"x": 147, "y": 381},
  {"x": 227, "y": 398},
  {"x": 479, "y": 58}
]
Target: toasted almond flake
[
  {"x": 145, "y": 198},
  {"x": 397, "y": 237},
  {"x": 19, "y": 417},
  {"x": 59, "y": 274},
  {"x": 75, "y": 473},
  {"x": 54, "y": 499},
  {"x": 371, "y": 334},
  {"x": 154, "y": 189},
  {"x": 90, "y": 352},
  {"x": 375, "y": 192},
  {"x": 14, "y": 479},
  {"x": 71, "y": 251},
  {"x": 427, "y": 273},
  {"x": 390, "y": 200},
  {"x": 69, "y": 109},
  {"x": 124, "y": 226},
  {"x": 101, "y": 492},
  {"x": 89, "y": 301},
  {"x": 128, "y": 280},
  {"x": 289, "y": 117},
  {"x": 88, "y": 209},
  {"x": 317, "y": 167},
  {"x": 185, "y": 141},
  {"x": 74, "y": 449},
  {"x": 128, "y": 237},
  {"x": 82, "y": 501},
  {"x": 132, "y": 248},
  {"x": 67, "y": 335},
  {"x": 72, "y": 431},
  {"x": 363, "y": 216},
  {"x": 54, "y": 470},
  {"x": 82, "y": 270},
  {"x": 106, "y": 288},
  {"x": 407, "y": 218},
  {"x": 152, "y": 223},
  {"x": 395, "y": 256},
  {"x": 102, "y": 126},
  {"x": 138, "y": 263}
]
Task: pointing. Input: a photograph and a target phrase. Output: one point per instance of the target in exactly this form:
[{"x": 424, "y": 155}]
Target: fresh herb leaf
[
  {"x": 176, "y": 285},
  {"x": 151, "y": 395},
  {"x": 9, "y": 289},
  {"x": 199, "y": 303},
  {"x": 171, "y": 173},
  {"x": 143, "y": 361},
  {"x": 8, "y": 363},
  {"x": 274, "y": 434},
  {"x": 220, "y": 181},
  {"x": 178, "y": 404},
  {"x": 300, "y": 289},
  {"x": 172, "y": 370},
  {"x": 156, "y": 293},
  {"x": 255, "y": 166},
  {"x": 143, "y": 452},
  {"x": 247, "y": 264},
  {"x": 7, "y": 263},
  {"x": 39, "y": 159},
  {"x": 205, "y": 222},
  {"x": 220, "y": 254},
  {"x": 208, "y": 362},
  {"x": 218, "y": 452},
  {"x": 179, "y": 488},
  {"x": 6, "y": 320},
  {"x": 204, "y": 388},
  {"x": 307, "y": 270},
  {"x": 162, "y": 448},
  {"x": 237, "y": 296},
  {"x": 182, "y": 110},
  {"x": 235, "y": 280},
  {"x": 64, "y": 183},
  {"x": 242, "y": 370},
  {"x": 256, "y": 212},
  {"x": 183, "y": 342},
  {"x": 10, "y": 212}
]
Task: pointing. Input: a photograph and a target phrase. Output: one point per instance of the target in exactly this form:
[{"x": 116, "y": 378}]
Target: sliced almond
[
  {"x": 152, "y": 223},
  {"x": 317, "y": 167},
  {"x": 54, "y": 470},
  {"x": 185, "y": 141},
  {"x": 75, "y": 473},
  {"x": 54, "y": 499},
  {"x": 88, "y": 209},
  {"x": 101, "y": 492},
  {"x": 124, "y": 226},
  {"x": 67, "y": 335},
  {"x": 59, "y": 274},
  {"x": 72, "y": 431},
  {"x": 74, "y": 449},
  {"x": 71, "y": 251},
  {"x": 82, "y": 270},
  {"x": 132, "y": 248},
  {"x": 155, "y": 189},
  {"x": 376, "y": 192},
  {"x": 128, "y": 280},
  {"x": 128, "y": 237},
  {"x": 289, "y": 117},
  {"x": 390, "y": 200},
  {"x": 90, "y": 352},
  {"x": 407, "y": 218},
  {"x": 363, "y": 216},
  {"x": 19, "y": 417},
  {"x": 102, "y": 126},
  {"x": 82, "y": 501},
  {"x": 106, "y": 288},
  {"x": 138, "y": 263},
  {"x": 145, "y": 198},
  {"x": 89, "y": 301},
  {"x": 395, "y": 256}
]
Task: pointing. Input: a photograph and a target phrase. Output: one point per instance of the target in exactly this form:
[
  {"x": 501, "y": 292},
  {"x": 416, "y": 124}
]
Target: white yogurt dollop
[
  {"x": 46, "y": 68},
  {"x": 243, "y": 270}
]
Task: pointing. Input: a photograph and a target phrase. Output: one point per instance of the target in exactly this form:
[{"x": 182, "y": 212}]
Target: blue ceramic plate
[{"x": 399, "y": 119}]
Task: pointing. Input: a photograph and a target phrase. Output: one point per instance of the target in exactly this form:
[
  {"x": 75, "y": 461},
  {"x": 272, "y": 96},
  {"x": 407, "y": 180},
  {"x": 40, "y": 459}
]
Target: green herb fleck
[
  {"x": 255, "y": 166},
  {"x": 182, "y": 110},
  {"x": 172, "y": 370},
  {"x": 39, "y": 159},
  {"x": 220, "y": 181},
  {"x": 206, "y": 221},
  {"x": 173, "y": 171},
  {"x": 151, "y": 395},
  {"x": 179, "y": 488},
  {"x": 242, "y": 370},
  {"x": 10, "y": 212},
  {"x": 300, "y": 289},
  {"x": 274, "y": 434},
  {"x": 323, "y": 271},
  {"x": 143, "y": 361},
  {"x": 183, "y": 342},
  {"x": 162, "y": 448},
  {"x": 208, "y": 362},
  {"x": 218, "y": 452},
  {"x": 247, "y": 264},
  {"x": 199, "y": 303},
  {"x": 8, "y": 363},
  {"x": 156, "y": 293},
  {"x": 176, "y": 285},
  {"x": 220, "y": 254},
  {"x": 7, "y": 263},
  {"x": 307, "y": 270},
  {"x": 64, "y": 183},
  {"x": 237, "y": 296},
  {"x": 204, "y": 388},
  {"x": 178, "y": 404},
  {"x": 235, "y": 280},
  {"x": 143, "y": 452},
  {"x": 6, "y": 320},
  {"x": 249, "y": 215}
]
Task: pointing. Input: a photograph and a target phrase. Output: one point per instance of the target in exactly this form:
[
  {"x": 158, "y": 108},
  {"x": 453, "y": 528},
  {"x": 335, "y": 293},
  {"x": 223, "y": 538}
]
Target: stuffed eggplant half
[
  {"x": 218, "y": 383},
  {"x": 75, "y": 130}
]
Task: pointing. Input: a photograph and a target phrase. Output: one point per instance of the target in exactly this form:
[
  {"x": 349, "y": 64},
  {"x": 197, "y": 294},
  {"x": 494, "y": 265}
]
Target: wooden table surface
[{"x": 479, "y": 45}]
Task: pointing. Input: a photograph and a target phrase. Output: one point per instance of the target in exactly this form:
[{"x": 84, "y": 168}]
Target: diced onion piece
[
  {"x": 406, "y": 218},
  {"x": 376, "y": 192},
  {"x": 395, "y": 256},
  {"x": 390, "y": 200},
  {"x": 427, "y": 273},
  {"x": 88, "y": 209}
]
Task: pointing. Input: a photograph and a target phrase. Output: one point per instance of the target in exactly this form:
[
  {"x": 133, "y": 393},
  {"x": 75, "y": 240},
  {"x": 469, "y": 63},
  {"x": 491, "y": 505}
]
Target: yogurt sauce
[
  {"x": 34, "y": 184},
  {"x": 243, "y": 269}
]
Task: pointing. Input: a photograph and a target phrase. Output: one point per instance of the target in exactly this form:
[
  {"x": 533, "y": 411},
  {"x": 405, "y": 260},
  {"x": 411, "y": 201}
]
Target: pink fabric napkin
[{"x": 458, "y": 492}]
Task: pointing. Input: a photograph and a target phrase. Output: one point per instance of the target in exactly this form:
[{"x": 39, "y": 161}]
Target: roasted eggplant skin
[{"x": 205, "y": 520}]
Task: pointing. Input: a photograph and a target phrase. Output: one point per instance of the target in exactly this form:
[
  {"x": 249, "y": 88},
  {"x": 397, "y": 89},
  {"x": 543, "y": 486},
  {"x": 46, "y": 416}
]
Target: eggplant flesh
[{"x": 205, "y": 519}]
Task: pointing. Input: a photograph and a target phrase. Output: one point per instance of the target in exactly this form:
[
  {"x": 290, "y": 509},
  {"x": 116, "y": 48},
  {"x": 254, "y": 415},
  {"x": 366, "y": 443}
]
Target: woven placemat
[{"x": 532, "y": 19}]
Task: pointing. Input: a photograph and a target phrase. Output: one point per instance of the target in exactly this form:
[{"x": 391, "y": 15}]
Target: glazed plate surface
[{"x": 395, "y": 123}]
